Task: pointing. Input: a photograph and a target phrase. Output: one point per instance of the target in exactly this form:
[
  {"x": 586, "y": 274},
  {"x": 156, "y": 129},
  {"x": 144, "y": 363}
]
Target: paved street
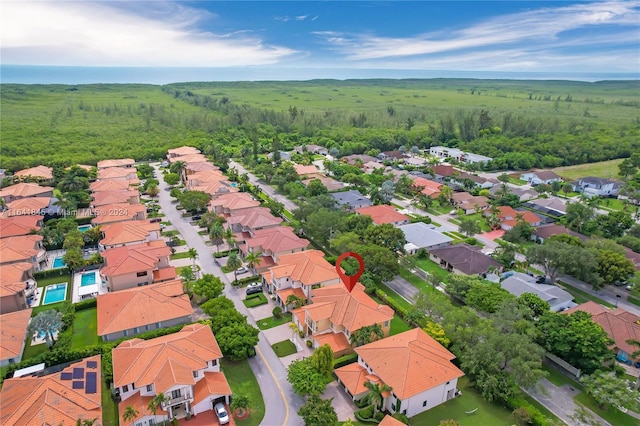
[
  {"x": 280, "y": 401},
  {"x": 288, "y": 204}
]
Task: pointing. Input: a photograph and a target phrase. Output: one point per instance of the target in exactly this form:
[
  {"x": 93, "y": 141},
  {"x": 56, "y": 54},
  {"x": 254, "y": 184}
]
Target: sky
[{"x": 507, "y": 36}]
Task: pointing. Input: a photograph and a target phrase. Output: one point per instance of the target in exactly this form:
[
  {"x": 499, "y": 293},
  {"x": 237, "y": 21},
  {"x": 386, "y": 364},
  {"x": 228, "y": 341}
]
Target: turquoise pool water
[
  {"x": 58, "y": 262},
  {"x": 54, "y": 293},
  {"x": 84, "y": 228},
  {"x": 88, "y": 278}
]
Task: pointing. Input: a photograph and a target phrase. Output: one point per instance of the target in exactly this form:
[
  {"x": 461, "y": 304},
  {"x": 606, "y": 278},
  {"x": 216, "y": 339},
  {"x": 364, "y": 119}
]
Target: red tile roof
[
  {"x": 213, "y": 383},
  {"x": 444, "y": 170},
  {"x": 134, "y": 258},
  {"x": 101, "y": 198},
  {"x": 131, "y": 231},
  {"x": 48, "y": 400},
  {"x": 410, "y": 362},
  {"x": 276, "y": 240},
  {"x": 254, "y": 218},
  {"x": 13, "y": 332},
  {"x": 28, "y": 206},
  {"x": 235, "y": 201},
  {"x": 23, "y": 190},
  {"x": 123, "y": 162},
  {"x": 110, "y": 213},
  {"x": 19, "y": 225},
  {"x": 43, "y": 172},
  {"x": 183, "y": 150},
  {"x": 308, "y": 267},
  {"x": 337, "y": 341},
  {"x": 140, "y": 306},
  {"x": 13, "y": 278},
  {"x": 21, "y": 248},
  {"x": 383, "y": 214},
  {"x": 189, "y": 158},
  {"x": 117, "y": 173},
  {"x": 110, "y": 185},
  {"x": 428, "y": 187},
  {"x": 305, "y": 170}
]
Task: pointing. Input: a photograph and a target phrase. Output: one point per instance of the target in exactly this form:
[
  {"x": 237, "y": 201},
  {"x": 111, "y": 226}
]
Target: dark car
[
  {"x": 155, "y": 219},
  {"x": 196, "y": 217}
]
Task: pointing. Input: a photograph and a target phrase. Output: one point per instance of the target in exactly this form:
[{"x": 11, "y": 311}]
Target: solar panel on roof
[
  {"x": 78, "y": 373},
  {"x": 65, "y": 376},
  {"x": 92, "y": 364},
  {"x": 91, "y": 385},
  {"x": 77, "y": 384}
]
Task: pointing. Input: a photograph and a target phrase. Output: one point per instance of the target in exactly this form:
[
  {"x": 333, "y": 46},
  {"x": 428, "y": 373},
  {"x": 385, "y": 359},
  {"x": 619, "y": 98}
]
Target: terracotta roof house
[
  {"x": 330, "y": 183},
  {"x": 251, "y": 220},
  {"x": 16, "y": 285},
  {"x": 215, "y": 189},
  {"x": 123, "y": 162},
  {"x": 24, "y": 190},
  {"x": 509, "y": 217},
  {"x": 442, "y": 171},
  {"x": 111, "y": 213},
  {"x": 23, "y": 249},
  {"x": 127, "y": 233},
  {"x": 620, "y": 326},
  {"x": 39, "y": 173},
  {"x": 302, "y": 170},
  {"x": 129, "y": 173},
  {"x": 13, "y": 334},
  {"x": 136, "y": 310},
  {"x": 371, "y": 166},
  {"x": 384, "y": 214},
  {"x": 273, "y": 243},
  {"x": 33, "y": 206},
  {"x": 390, "y": 421},
  {"x": 351, "y": 200},
  {"x": 59, "y": 398},
  {"x": 543, "y": 232},
  {"x": 419, "y": 235},
  {"x": 189, "y": 158},
  {"x": 183, "y": 150},
  {"x": 519, "y": 283},
  {"x": 137, "y": 265},
  {"x": 184, "y": 366},
  {"x": 464, "y": 259},
  {"x": 230, "y": 203},
  {"x": 101, "y": 198},
  {"x": 20, "y": 225},
  {"x": 201, "y": 178},
  {"x": 469, "y": 203},
  {"x": 297, "y": 274},
  {"x": 416, "y": 367},
  {"x": 335, "y": 313},
  {"x": 427, "y": 187},
  {"x": 541, "y": 176},
  {"x": 200, "y": 166},
  {"x": 358, "y": 159},
  {"x": 113, "y": 185}
]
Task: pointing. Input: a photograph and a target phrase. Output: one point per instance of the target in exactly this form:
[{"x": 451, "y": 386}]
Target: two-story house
[
  {"x": 183, "y": 366},
  {"x": 541, "y": 176},
  {"x": 298, "y": 274},
  {"x": 137, "y": 265},
  {"x": 13, "y": 335},
  {"x": 127, "y": 173},
  {"x": 597, "y": 187},
  {"x": 272, "y": 243},
  {"x": 15, "y": 226},
  {"x": 101, "y": 198},
  {"x": 334, "y": 314},
  {"x": 111, "y": 213},
  {"x": 416, "y": 367},
  {"x": 24, "y": 190},
  {"x": 227, "y": 204},
  {"x": 23, "y": 249},
  {"x": 16, "y": 286},
  {"x": 250, "y": 220},
  {"x": 127, "y": 233}
]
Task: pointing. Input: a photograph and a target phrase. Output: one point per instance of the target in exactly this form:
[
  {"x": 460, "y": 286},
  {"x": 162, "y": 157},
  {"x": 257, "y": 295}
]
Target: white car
[
  {"x": 221, "y": 413},
  {"x": 242, "y": 270}
]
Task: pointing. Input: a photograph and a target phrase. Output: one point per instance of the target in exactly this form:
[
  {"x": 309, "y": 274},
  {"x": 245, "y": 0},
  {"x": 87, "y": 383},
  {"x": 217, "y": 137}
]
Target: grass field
[
  {"x": 255, "y": 300},
  {"x": 243, "y": 382},
  {"x": 85, "y": 329},
  {"x": 398, "y": 325},
  {"x": 603, "y": 169},
  {"x": 284, "y": 348},
  {"x": 270, "y": 322}
]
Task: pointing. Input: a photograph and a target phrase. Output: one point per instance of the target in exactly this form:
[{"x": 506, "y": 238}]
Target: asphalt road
[
  {"x": 281, "y": 403},
  {"x": 288, "y": 204}
]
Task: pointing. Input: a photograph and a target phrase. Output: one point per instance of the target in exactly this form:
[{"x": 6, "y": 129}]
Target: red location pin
[{"x": 350, "y": 280}]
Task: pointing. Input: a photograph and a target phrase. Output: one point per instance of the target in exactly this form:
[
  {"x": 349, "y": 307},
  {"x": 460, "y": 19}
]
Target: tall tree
[
  {"x": 46, "y": 324},
  {"x": 318, "y": 412},
  {"x": 253, "y": 259},
  {"x": 305, "y": 379},
  {"x": 609, "y": 390},
  {"x": 469, "y": 227},
  {"x": 216, "y": 235},
  {"x": 157, "y": 402},
  {"x": 234, "y": 262},
  {"x": 193, "y": 255},
  {"x": 209, "y": 286},
  {"x": 322, "y": 360},
  {"x": 376, "y": 393}
]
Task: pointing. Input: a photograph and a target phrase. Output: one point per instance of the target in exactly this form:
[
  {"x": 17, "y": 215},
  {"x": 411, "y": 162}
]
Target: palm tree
[
  {"x": 375, "y": 395},
  {"x": 252, "y": 260},
  {"x": 73, "y": 183},
  {"x": 241, "y": 403},
  {"x": 157, "y": 402},
  {"x": 446, "y": 193},
  {"x": 216, "y": 234},
  {"x": 366, "y": 334},
  {"x": 234, "y": 262},
  {"x": 230, "y": 238},
  {"x": 243, "y": 179},
  {"x": 193, "y": 255},
  {"x": 178, "y": 167},
  {"x": 86, "y": 422},
  {"x": 46, "y": 323}
]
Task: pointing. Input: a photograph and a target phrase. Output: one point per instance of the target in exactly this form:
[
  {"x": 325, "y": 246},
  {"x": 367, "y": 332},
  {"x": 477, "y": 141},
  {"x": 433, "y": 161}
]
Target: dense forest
[{"x": 521, "y": 124}]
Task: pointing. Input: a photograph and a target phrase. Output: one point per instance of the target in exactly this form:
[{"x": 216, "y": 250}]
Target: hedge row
[
  {"x": 345, "y": 360},
  {"x": 86, "y": 304},
  {"x": 537, "y": 417},
  {"x": 51, "y": 273}
]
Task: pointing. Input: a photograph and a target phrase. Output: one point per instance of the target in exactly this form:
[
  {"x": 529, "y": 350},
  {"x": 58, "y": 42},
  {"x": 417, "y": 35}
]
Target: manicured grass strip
[
  {"x": 610, "y": 414},
  {"x": 255, "y": 300},
  {"x": 582, "y": 296},
  {"x": 433, "y": 268},
  {"x": 633, "y": 300},
  {"x": 270, "y": 322},
  {"x": 398, "y": 325},
  {"x": 284, "y": 348},
  {"x": 396, "y": 297},
  {"x": 110, "y": 416},
  {"x": 243, "y": 382},
  {"x": 487, "y": 413},
  {"x": 170, "y": 233},
  {"x": 181, "y": 255},
  {"x": 518, "y": 182},
  {"x": 85, "y": 327}
]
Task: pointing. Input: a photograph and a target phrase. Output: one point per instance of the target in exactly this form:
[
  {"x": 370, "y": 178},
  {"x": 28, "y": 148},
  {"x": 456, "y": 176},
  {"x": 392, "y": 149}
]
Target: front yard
[
  {"x": 270, "y": 322},
  {"x": 243, "y": 382},
  {"x": 284, "y": 348}
]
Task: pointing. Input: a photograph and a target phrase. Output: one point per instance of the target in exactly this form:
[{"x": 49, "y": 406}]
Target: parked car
[
  {"x": 155, "y": 219},
  {"x": 254, "y": 288},
  {"x": 242, "y": 270},
  {"x": 196, "y": 217},
  {"x": 221, "y": 413}
]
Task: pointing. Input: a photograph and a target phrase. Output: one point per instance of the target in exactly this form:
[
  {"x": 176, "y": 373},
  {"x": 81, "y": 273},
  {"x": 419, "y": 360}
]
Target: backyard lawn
[
  {"x": 85, "y": 329},
  {"x": 398, "y": 325},
  {"x": 243, "y": 382},
  {"x": 271, "y": 322},
  {"x": 433, "y": 268},
  {"x": 486, "y": 413},
  {"x": 284, "y": 348},
  {"x": 110, "y": 415}
]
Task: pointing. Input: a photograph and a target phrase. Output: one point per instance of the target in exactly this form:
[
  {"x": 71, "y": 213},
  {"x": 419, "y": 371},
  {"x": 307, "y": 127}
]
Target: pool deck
[
  {"x": 77, "y": 283},
  {"x": 51, "y": 256}
]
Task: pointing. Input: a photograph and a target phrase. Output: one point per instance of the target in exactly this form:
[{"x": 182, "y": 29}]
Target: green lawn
[
  {"x": 603, "y": 169},
  {"x": 182, "y": 255},
  {"x": 437, "y": 209},
  {"x": 398, "y": 325},
  {"x": 43, "y": 282},
  {"x": 486, "y": 414},
  {"x": 611, "y": 414},
  {"x": 480, "y": 220},
  {"x": 271, "y": 322},
  {"x": 557, "y": 377},
  {"x": 633, "y": 300},
  {"x": 516, "y": 181},
  {"x": 582, "y": 296},
  {"x": 433, "y": 268},
  {"x": 255, "y": 300},
  {"x": 85, "y": 329},
  {"x": 395, "y": 296},
  {"x": 284, "y": 348},
  {"x": 611, "y": 204},
  {"x": 31, "y": 351},
  {"x": 243, "y": 382},
  {"x": 110, "y": 415}
]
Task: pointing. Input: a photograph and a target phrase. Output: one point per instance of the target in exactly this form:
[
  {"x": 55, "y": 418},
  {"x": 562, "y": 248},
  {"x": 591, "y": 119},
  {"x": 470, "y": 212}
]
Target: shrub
[
  {"x": 301, "y": 333},
  {"x": 51, "y": 273},
  {"x": 86, "y": 304},
  {"x": 379, "y": 416},
  {"x": 345, "y": 360},
  {"x": 309, "y": 343},
  {"x": 277, "y": 312},
  {"x": 402, "y": 417},
  {"x": 471, "y": 241},
  {"x": 366, "y": 412}
]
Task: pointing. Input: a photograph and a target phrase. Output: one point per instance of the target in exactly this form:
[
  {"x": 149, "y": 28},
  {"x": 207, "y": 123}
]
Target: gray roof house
[
  {"x": 351, "y": 200},
  {"x": 420, "y": 235},
  {"x": 464, "y": 259},
  {"x": 558, "y": 299},
  {"x": 594, "y": 186}
]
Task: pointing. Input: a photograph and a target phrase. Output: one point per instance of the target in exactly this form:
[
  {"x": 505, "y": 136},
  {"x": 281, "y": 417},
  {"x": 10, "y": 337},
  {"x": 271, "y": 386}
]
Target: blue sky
[{"x": 510, "y": 36}]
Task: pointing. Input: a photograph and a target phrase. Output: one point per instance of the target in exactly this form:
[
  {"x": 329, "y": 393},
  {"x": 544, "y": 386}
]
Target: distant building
[
  {"x": 457, "y": 154},
  {"x": 597, "y": 187},
  {"x": 421, "y": 236},
  {"x": 464, "y": 259},
  {"x": 351, "y": 200},
  {"x": 540, "y": 177},
  {"x": 383, "y": 213},
  {"x": 557, "y": 298}
]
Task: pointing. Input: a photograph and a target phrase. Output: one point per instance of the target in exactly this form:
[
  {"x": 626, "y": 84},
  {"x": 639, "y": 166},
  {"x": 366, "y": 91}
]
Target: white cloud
[
  {"x": 301, "y": 17},
  {"x": 535, "y": 27},
  {"x": 108, "y": 34}
]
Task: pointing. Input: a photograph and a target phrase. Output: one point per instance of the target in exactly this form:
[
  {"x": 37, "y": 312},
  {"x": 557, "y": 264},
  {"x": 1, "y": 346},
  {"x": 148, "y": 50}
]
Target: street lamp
[{"x": 617, "y": 298}]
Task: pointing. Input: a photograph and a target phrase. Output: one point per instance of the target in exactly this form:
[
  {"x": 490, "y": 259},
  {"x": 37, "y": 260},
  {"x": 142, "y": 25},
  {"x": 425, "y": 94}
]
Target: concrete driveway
[{"x": 342, "y": 403}]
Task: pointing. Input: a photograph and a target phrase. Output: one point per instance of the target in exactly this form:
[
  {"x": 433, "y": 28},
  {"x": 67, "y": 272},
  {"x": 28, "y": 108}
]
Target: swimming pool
[
  {"x": 89, "y": 278},
  {"x": 58, "y": 262},
  {"x": 54, "y": 293},
  {"x": 84, "y": 228}
]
